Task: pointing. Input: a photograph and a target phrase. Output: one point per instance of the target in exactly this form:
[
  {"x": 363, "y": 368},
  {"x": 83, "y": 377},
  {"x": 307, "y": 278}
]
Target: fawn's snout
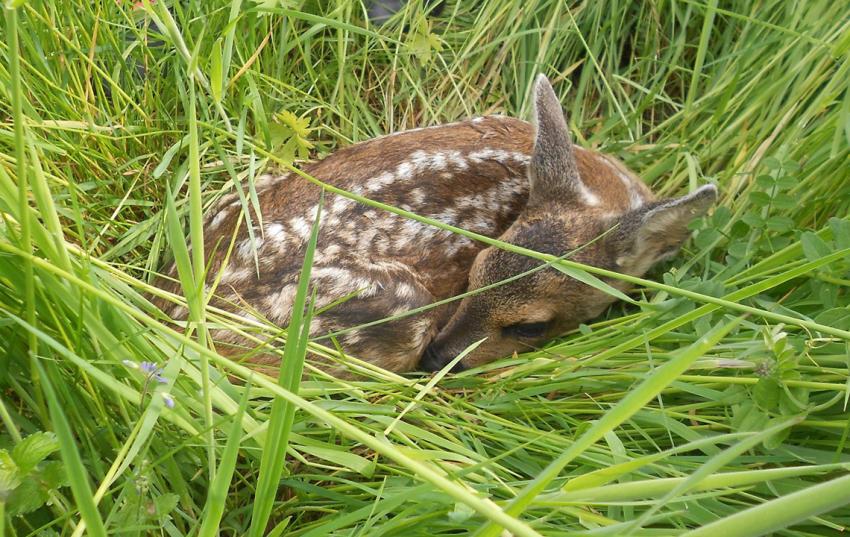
[{"x": 592, "y": 206}]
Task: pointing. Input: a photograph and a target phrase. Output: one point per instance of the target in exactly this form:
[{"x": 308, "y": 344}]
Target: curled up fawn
[{"x": 527, "y": 185}]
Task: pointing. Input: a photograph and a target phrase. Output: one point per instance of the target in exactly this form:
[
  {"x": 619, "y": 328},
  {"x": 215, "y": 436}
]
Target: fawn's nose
[{"x": 432, "y": 360}]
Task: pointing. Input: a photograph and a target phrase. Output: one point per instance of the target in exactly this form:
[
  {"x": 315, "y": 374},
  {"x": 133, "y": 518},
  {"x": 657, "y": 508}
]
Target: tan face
[
  {"x": 571, "y": 204},
  {"x": 520, "y": 315}
]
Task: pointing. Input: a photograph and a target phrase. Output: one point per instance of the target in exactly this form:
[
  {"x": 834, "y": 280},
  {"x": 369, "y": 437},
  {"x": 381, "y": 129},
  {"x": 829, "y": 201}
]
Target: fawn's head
[{"x": 565, "y": 212}]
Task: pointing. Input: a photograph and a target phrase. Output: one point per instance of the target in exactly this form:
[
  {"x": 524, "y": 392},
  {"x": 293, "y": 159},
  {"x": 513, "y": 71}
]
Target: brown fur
[{"x": 473, "y": 174}]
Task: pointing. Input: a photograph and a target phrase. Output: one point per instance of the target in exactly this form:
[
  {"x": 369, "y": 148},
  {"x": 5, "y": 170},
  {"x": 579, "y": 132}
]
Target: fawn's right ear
[
  {"x": 656, "y": 231},
  {"x": 553, "y": 172}
]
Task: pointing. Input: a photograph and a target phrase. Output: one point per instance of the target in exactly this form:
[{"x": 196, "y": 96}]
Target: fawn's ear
[
  {"x": 553, "y": 172},
  {"x": 656, "y": 231}
]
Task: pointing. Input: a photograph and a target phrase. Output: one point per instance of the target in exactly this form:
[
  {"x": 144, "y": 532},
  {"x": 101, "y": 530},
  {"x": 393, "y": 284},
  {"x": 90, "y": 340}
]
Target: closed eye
[{"x": 526, "y": 330}]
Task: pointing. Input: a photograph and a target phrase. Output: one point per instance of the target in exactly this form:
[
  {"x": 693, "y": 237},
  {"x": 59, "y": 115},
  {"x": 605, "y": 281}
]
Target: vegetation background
[{"x": 714, "y": 405}]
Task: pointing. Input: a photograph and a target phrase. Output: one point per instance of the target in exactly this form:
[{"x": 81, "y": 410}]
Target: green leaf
[
  {"x": 840, "y": 231},
  {"x": 766, "y": 393},
  {"x": 765, "y": 181},
  {"x": 814, "y": 247},
  {"x": 10, "y": 477},
  {"x": 784, "y": 202},
  {"x": 835, "y": 317},
  {"x": 34, "y": 449},
  {"x": 753, "y": 220},
  {"x": 780, "y": 223},
  {"x": 786, "y": 182},
  {"x": 53, "y": 475},
  {"x": 772, "y": 163},
  {"x": 163, "y": 505},
  {"x": 759, "y": 199},
  {"x": 423, "y": 43},
  {"x": 27, "y": 497}
]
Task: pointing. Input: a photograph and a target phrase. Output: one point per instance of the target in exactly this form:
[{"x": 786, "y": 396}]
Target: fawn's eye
[{"x": 526, "y": 330}]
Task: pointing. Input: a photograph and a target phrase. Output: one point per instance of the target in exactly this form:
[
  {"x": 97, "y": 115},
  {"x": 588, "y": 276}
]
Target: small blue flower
[
  {"x": 153, "y": 371},
  {"x": 166, "y": 397}
]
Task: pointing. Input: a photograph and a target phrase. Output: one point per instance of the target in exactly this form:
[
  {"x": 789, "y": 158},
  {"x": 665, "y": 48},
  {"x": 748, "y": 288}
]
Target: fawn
[{"x": 497, "y": 176}]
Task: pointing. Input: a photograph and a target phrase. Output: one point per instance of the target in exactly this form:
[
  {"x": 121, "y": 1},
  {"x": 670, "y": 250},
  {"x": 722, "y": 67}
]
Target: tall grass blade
[
  {"x": 72, "y": 462},
  {"x": 283, "y": 412}
]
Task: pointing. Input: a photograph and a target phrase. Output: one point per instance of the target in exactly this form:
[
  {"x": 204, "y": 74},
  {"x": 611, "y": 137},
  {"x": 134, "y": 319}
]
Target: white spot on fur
[
  {"x": 405, "y": 291},
  {"x": 457, "y": 159},
  {"x": 275, "y": 232},
  {"x": 301, "y": 227},
  {"x": 316, "y": 326},
  {"x": 279, "y": 305},
  {"x": 404, "y": 170},
  {"x": 218, "y": 219},
  {"x": 340, "y": 204},
  {"x": 352, "y": 338},
  {"x": 522, "y": 158},
  {"x": 327, "y": 255},
  {"x": 267, "y": 179},
  {"x": 377, "y": 183},
  {"x": 246, "y": 248}
]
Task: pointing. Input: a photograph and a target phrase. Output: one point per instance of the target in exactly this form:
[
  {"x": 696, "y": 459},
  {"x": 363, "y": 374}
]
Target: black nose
[{"x": 432, "y": 361}]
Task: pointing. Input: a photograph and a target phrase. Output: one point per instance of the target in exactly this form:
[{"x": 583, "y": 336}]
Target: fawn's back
[{"x": 477, "y": 175}]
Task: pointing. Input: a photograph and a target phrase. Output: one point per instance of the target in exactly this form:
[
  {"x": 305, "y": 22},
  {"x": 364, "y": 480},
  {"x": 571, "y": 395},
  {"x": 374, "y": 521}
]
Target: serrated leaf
[
  {"x": 10, "y": 477},
  {"x": 52, "y": 474},
  {"x": 34, "y": 449},
  {"x": 163, "y": 505},
  {"x": 423, "y": 43},
  {"x": 26, "y": 498}
]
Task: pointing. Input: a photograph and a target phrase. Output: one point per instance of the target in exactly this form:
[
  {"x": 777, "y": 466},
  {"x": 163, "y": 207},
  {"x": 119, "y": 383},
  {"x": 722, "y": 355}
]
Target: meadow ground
[{"x": 715, "y": 405}]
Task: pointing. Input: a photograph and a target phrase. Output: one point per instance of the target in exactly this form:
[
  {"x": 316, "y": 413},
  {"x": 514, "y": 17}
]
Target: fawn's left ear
[
  {"x": 553, "y": 172},
  {"x": 656, "y": 231}
]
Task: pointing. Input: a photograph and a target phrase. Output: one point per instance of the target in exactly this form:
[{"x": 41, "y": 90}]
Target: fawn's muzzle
[{"x": 432, "y": 361}]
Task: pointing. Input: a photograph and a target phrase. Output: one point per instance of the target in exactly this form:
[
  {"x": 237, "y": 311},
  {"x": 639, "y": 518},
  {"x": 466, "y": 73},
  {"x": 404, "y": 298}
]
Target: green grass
[{"x": 716, "y": 403}]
